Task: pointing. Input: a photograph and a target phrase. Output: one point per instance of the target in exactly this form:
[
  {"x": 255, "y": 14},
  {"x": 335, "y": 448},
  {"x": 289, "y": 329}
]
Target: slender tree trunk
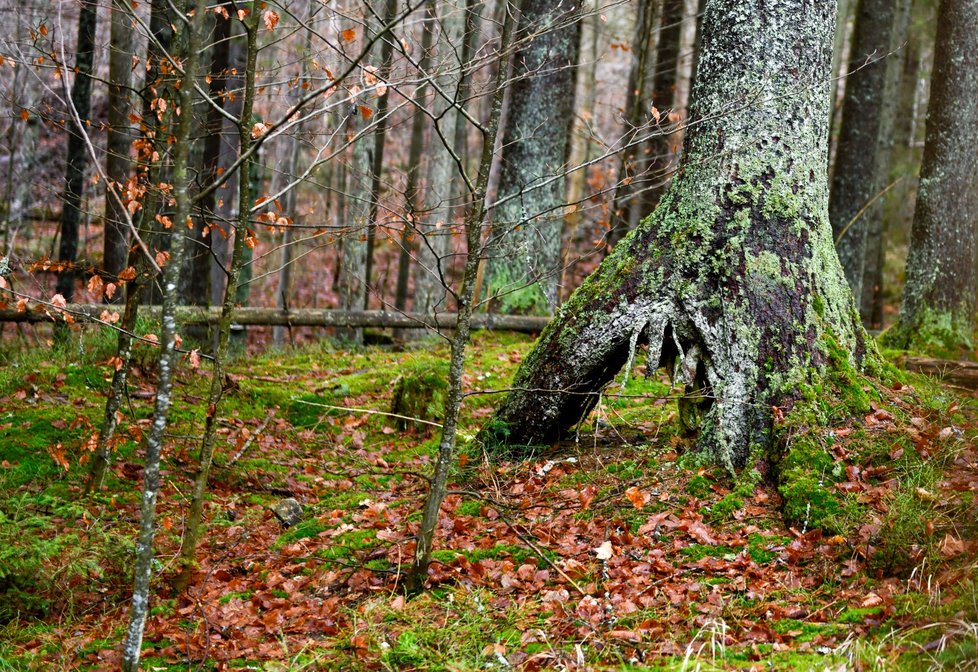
[
  {"x": 866, "y": 136},
  {"x": 284, "y": 290},
  {"x": 220, "y": 217},
  {"x": 192, "y": 528},
  {"x": 624, "y": 209},
  {"x": 148, "y": 171},
  {"x": 119, "y": 140},
  {"x": 524, "y": 260},
  {"x": 413, "y": 194},
  {"x": 197, "y": 289},
  {"x": 380, "y": 135},
  {"x": 77, "y": 162},
  {"x": 430, "y": 292},
  {"x": 938, "y": 307},
  {"x": 168, "y": 357},
  {"x": 453, "y": 400},
  {"x": 734, "y": 275}
]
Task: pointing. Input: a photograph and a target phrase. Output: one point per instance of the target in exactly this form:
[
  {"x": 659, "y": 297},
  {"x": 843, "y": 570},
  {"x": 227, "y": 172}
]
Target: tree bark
[
  {"x": 143, "y": 573},
  {"x": 379, "y": 137},
  {"x": 938, "y": 308},
  {"x": 430, "y": 290},
  {"x": 413, "y": 195},
  {"x": 862, "y": 166},
  {"x": 192, "y": 529},
  {"x": 77, "y": 161},
  {"x": 118, "y": 143},
  {"x": 524, "y": 255},
  {"x": 733, "y": 280}
]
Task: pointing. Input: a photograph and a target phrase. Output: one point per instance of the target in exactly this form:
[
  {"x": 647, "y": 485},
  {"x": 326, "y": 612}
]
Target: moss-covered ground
[{"x": 616, "y": 549}]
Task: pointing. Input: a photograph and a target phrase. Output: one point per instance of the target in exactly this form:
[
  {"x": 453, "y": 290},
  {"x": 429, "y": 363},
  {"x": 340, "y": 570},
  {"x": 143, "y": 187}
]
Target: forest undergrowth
[{"x": 616, "y": 549}]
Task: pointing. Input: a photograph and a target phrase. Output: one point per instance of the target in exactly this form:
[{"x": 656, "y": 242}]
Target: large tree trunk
[
  {"x": 524, "y": 262},
  {"x": 939, "y": 298},
  {"x": 734, "y": 275},
  {"x": 862, "y": 167},
  {"x": 77, "y": 162}
]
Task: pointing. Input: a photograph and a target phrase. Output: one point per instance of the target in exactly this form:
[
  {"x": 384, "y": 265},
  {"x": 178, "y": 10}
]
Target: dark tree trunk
[
  {"x": 939, "y": 298},
  {"x": 862, "y": 166},
  {"x": 196, "y": 290},
  {"x": 118, "y": 142},
  {"x": 734, "y": 276},
  {"x": 524, "y": 262},
  {"x": 77, "y": 162}
]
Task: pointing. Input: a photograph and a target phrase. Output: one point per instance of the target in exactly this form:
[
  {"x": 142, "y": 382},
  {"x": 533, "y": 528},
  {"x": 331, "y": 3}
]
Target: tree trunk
[
  {"x": 143, "y": 573},
  {"x": 379, "y": 137},
  {"x": 939, "y": 298},
  {"x": 625, "y": 210},
  {"x": 734, "y": 275},
  {"x": 453, "y": 399},
  {"x": 197, "y": 288},
  {"x": 430, "y": 291},
  {"x": 862, "y": 166},
  {"x": 77, "y": 161},
  {"x": 192, "y": 529},
  {"x": 413, "y": 196},
  {"x": 119, "y": 140},
  {"x": 524, "y": 254}
]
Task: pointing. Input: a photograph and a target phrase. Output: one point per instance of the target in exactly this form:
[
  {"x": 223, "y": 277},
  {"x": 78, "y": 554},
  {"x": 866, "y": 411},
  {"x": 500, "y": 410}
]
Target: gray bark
[
  {"x": 524, "y": 256},
  {"x": 412, "y": 191},
  {"x": 118, "y": 143},
  {"x": 139, "y": 609},
  {"x": 865, "y": 145},
  {"x": 733, "y": 282},
  {"x": 938, "y": 307},
  {"x": 430, "y": 290}
]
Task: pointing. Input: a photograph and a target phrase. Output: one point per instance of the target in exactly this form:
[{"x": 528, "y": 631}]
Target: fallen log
[
  {"x": 956, "y": 372},
  {"x": 300, "y": 317}
]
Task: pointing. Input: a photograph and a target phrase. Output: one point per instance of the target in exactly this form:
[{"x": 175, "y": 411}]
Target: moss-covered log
[{"x": 734, "y": 279}]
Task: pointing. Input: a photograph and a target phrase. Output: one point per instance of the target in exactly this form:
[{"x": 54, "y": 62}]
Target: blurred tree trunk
[
  {"x": 196, "y": 290},
  {"x": 524, "y": 255},
  {"x": 119, "y": 140},
  {"x": 413, "y": 195},
  {"x": 77, "y": 156},
  {"x": 625, "y": 210},
  {"x": 379, "y": 137},
  {"x": 733, "y": 282},
  {"x": 669, "y": 96},
  {"x": 938, "y": 309},
  {"x": 862, "y": 167},
  {"x": 430, "y": 287}
]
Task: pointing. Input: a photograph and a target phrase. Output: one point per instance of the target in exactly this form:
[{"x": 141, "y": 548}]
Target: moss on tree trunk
[{"x": 734, "y": 276}]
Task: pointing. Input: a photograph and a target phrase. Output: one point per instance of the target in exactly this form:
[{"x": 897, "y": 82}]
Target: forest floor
[{"x": 616, "y": 550}]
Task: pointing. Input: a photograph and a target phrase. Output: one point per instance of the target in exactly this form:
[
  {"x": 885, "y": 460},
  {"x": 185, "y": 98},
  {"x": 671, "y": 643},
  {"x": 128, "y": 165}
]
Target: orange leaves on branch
[
  {"x": 127, "y": 274},
  {"x": 365, "y": 112},
  {"x": 57, "y": 453},
  {"x": 164, "y": 221},
  {"x": 270, "y": 18},
  {"x": 222, "y": 11},
  {"x": 58, "y": 301},
  {"x": 162, "y": 257},
  {"x": 349, "y": 35},
  {"x": 250, "y": 239},
  {"x": 95, "y": 286},
  {"x": 259, "y": 129}
]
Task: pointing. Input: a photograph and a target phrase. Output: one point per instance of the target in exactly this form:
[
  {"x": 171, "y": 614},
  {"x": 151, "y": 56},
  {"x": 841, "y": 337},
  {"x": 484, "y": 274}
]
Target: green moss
[
  {"x": 699, "y": 486},
  {"x": 419, "y": 392}
]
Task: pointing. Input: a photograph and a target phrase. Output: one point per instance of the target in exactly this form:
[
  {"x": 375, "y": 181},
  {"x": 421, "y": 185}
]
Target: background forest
[{"x": 268, "y": 271}]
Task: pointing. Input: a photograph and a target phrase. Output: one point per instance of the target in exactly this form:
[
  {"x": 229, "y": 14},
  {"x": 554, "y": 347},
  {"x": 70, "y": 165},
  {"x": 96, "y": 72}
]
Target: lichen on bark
[{"x": 733, "y": 282}]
